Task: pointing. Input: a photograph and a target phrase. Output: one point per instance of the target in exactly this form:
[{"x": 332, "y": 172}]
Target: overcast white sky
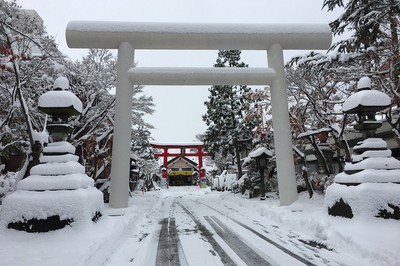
[{"x": 178, "y": 109}]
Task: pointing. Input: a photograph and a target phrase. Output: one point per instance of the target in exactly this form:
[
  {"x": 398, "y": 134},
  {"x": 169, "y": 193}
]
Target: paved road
[
  {"x": 196, "y": 230},
  {"x": 227, "y": 246}
]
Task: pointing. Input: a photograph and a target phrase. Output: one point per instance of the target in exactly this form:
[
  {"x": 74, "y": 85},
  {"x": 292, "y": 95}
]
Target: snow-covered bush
[
  {"x": 6, "y": 184},
  {"x": 321, "y": 181}
]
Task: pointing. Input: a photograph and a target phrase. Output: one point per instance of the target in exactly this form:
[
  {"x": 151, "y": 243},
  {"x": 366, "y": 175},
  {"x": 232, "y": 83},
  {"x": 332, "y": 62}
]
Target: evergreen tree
[
  {"x": 228, "y": 133},
  {"x": 141, "y": 147}
]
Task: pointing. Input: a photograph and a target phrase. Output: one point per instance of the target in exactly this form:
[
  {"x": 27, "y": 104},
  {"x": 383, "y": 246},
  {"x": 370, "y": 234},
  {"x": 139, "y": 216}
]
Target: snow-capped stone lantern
[
  {"x": 60, "y": 104},
  {"x": 261, "y": 155},
  {"x": 364, "y": 104},
  {"x": 57, "y": 193},
  {"x": 370, "y": 183}
]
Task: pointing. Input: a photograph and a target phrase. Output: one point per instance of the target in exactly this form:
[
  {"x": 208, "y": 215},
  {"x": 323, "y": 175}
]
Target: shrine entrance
[
  {"x": 128, "y": 36},
  {"x": 181, "y": 171}
]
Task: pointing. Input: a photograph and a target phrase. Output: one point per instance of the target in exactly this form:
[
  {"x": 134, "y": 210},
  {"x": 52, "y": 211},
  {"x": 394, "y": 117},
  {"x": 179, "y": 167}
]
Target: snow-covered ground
[{"x": 303, "y": 229}]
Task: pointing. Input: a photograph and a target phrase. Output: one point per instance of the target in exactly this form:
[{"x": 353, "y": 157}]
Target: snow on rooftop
[
  {"x": 60, "y": 99},
  {"x": 366, "y": 98}
]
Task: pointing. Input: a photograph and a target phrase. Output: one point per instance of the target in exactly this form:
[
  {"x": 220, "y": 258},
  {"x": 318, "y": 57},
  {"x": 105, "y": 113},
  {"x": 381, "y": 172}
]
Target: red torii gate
[{"x": 182, "y": 147}]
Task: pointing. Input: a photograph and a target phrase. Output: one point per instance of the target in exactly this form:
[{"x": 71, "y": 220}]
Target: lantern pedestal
[
  {"x": 370, "y": 184},
  {"x": 56, "y": 194}
]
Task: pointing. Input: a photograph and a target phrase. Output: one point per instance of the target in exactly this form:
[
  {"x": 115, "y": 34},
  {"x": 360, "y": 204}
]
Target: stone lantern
[
  {"x": 370, "y": 183},
  {"x": 261, "y": 155},
  {"x": 57, "y": 193},
  {"x": 364, "y": 104}
]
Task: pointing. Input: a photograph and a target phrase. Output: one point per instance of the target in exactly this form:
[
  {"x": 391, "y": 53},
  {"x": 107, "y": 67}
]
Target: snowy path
[
  {"x": 192, "y": 226},
  {"x": 198, "y": 228}
]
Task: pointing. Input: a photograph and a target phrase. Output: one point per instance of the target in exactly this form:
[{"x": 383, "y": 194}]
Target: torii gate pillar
[
  {"x": 282, "y": 135},
  {"x": 119, "y": 192},
  {"x": 127, "y": 36}
]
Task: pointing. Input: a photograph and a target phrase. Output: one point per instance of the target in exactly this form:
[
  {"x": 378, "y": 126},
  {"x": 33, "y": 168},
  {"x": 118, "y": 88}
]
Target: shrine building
[
  {"x": 182, "y": 172},
  {"x": 177, "y": 168}
]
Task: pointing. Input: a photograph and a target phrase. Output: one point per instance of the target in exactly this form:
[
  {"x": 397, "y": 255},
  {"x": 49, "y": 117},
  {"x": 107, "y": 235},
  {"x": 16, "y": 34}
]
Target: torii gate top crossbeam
[
  {"x": 197, "y": 36},
  {"x": 201, "y": 76},
  {"x": 158, "y": 145}
]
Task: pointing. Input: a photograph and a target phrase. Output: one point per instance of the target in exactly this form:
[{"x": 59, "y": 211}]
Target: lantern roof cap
[
  {"x": 60, "y": 102},
  {"x": 258, "y": 152},
  {"x": 372, "y": 100}
]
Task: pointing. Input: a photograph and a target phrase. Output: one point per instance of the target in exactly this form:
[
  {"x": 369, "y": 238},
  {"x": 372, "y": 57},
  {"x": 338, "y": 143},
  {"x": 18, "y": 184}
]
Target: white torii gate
[{"x": 128, "y": 36}]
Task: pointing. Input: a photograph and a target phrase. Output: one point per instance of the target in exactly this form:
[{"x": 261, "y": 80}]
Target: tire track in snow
[
  {"x": 226, "y": 260},
  {"x": 167, "y": 251},
  {"x": 246, "y": 253},
  {"x": 287, "y": 251}
]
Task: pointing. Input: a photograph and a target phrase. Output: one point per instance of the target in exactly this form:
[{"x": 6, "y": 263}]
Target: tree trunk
[
  {"x": 307, "y": 181},
  {"x": 33, "y": 157},
  {"x": 239, "y": 166},
  {"x": 322, "y": 164}
]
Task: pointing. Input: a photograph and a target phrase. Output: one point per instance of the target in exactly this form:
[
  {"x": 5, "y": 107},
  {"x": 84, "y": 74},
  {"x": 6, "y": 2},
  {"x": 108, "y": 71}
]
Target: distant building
[
  {"x": 31, "y": 17},
  {"x": 182, "y": 171}
]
